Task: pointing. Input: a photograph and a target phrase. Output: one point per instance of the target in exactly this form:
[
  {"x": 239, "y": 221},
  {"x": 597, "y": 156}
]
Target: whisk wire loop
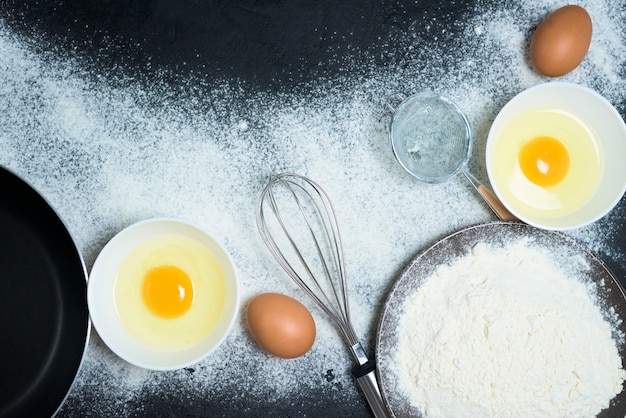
[
  {"x": 313, "y": 258},
  {"x": 316, "y": 220}
]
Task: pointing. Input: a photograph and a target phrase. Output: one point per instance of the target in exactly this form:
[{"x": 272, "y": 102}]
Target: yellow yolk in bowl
[
  {"x": 170, "y": 292},
  {"x": 167, "y": 291},
  {"x": 544, "y": 160}
]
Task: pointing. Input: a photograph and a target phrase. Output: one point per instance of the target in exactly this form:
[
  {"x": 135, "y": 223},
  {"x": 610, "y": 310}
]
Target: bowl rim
[
  {"x": 504, "y": 113},
  {"x": 101, "y": 305}
]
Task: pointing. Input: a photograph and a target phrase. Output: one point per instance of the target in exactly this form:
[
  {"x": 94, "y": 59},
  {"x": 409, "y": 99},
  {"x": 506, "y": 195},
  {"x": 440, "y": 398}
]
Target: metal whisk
[{"x": 297, "y": 222}]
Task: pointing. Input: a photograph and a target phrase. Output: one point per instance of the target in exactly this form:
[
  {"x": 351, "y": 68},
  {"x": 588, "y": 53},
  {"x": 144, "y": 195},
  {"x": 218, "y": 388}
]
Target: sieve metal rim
[{"x": 405, "y": 101}]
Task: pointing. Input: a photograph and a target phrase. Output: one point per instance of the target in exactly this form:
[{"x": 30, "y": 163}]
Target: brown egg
[
  {"x": 561, "y": 41},
  {"x": 281, "y": 325}
]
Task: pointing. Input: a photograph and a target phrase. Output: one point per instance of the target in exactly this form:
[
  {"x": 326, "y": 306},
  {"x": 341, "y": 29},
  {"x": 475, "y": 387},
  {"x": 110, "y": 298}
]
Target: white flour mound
[{"x": 504, "y": 332}]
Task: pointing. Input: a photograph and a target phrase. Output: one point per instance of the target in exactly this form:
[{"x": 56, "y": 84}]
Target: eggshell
[
  {"x": 561, "y": 41},
  {"x": 281, "y": 325}
]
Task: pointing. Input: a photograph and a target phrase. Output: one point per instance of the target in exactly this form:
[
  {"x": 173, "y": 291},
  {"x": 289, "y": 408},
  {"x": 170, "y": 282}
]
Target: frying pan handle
[{"x": 365, "y": 375}]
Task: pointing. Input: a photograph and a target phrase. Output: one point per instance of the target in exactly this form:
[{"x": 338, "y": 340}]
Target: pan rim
[{"x": 79, "y": 269}]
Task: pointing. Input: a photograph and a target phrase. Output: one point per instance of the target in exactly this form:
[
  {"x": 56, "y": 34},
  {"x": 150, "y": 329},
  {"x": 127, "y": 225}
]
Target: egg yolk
[
  {"x": 544, "y": 161},
  {"x": 167, "y": 291}
]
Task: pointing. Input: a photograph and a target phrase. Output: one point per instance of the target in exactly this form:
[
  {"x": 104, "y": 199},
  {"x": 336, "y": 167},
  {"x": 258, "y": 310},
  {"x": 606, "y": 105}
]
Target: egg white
[
  {"x": 583, "y": 176},
  {"x": 209, "y": 292}
]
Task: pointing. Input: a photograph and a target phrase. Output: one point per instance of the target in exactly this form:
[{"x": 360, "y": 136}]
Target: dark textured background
[{"x": 270, "y": 44}]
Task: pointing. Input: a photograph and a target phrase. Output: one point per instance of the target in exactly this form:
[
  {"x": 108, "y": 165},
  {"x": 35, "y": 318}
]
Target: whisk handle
[{"x": 365, "y": 375}]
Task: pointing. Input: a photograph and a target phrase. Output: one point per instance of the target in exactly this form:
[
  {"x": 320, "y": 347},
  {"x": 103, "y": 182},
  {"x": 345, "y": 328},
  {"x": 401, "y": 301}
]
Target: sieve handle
[
  {"x": 365, "y": 375},
  {"x": 492, "y": 201},
  {"x": 394, "y": 101}
]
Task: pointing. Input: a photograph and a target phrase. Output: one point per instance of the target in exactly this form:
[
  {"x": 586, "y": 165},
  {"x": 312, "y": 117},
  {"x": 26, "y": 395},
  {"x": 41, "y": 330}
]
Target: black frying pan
[{"x": 44, "y": 321}]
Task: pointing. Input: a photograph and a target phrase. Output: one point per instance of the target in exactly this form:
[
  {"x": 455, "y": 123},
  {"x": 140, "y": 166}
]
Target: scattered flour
[
  {"x": 109, "y": 151},
  {"x": 504, "y": 332}
]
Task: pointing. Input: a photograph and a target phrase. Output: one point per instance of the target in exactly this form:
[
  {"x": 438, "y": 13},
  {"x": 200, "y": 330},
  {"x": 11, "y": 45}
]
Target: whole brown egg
[
  {"x": 561, "y": 41},
  {"x": 281, "y": 325}
]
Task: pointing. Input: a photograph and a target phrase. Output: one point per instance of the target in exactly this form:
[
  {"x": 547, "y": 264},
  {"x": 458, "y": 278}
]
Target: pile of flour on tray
[{"x": 503, "y": 331}]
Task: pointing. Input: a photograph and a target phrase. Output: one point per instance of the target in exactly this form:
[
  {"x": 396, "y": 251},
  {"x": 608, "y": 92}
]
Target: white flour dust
[
  {"x": 109, "y": 152},
  {"x": 504, "y": 332}
]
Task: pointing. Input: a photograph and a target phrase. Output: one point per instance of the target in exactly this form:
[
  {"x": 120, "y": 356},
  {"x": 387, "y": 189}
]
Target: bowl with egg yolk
[
  {"x": 555, "y": 156},
  {"x": 163, "y": 294}
]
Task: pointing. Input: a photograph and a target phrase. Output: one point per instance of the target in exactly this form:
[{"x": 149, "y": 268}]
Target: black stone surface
[{"x": 269, "y": 44}]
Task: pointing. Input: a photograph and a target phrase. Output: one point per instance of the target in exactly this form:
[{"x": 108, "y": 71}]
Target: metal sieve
[{"x": 432, "y": 140}]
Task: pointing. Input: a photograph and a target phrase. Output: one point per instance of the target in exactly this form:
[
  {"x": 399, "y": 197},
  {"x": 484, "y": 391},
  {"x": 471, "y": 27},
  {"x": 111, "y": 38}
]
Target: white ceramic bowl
[
  {"x": 610, "y": 131},
  {"x": 100, "y": 296}
]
